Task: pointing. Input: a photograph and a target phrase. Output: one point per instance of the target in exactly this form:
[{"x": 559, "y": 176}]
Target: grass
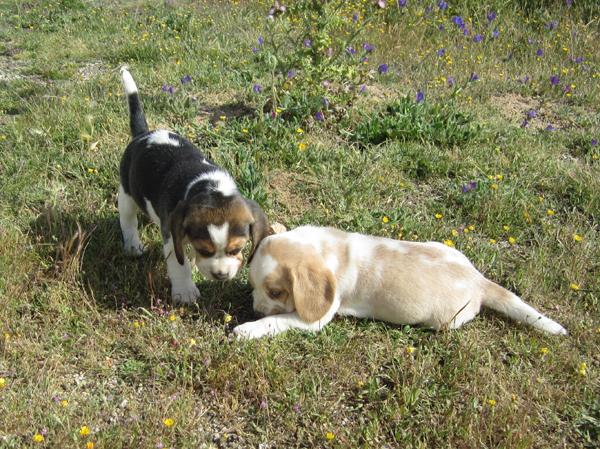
[{"x": 89, "y": 336}]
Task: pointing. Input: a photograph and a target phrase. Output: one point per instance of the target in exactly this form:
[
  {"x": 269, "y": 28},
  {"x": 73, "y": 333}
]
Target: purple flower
[
  {"x": 441, "y": 27},
  {"x": 442, "y": 5},
  {"x": 525, "y": 123},
  {"x": 441, "y": 52},
  {"x": 261, "y": 40},
  {"x": 186, "y": 79},
  {"x": 263, "y": 404},
  {"x": 550, "y": 127},
  {"x": 354, "y": 18},
  {"x": 254, "y": 50},
  {"x": 566, "y": 88},
  {"x": 578, "y": 60},
  {"x": 478, "y": 38},
  {"x": 325, "y": 102},
  {"x": 168, "y": 89},
  {"x": 471, "y": 185},
  {"x": 351, "y": 50},
  {"x": 363, "y": 88},
  {"x": 465, "y": 31},
  {"x": 495, "y": 34},
  {"x": 552, "y": 25},
  {"x": 319, "y": 117},
  {"x": 368, "y": 47},
  {"x": 473, "y": 77},
  {"x": 326, "y": 83},
  {"x": 428, "y": 10},
  {"x": 594, "y": 142},
  {"x": 530, "y": 41},
  {"x": 458, "y": 21},
  {"x": 451, "y": 81},
  {"x": 291, "y": 73},
  {"x": 532, "y": 113},
  {"x": 539, "y": 52},
  {"x": 402, "y": 3},
  {"x": 554, "y": 80},
  {"x": 420, "y": 96},
  {"x": 257, "y": 88},
  {"x": 383, "y": 68},
  {"x": 525, "y": 79},
  {"x": 364, "y": 59},
  {"x": 296, "y": 408},
  {"x": 307, "y": 43},
  {"x": 491, "y": 16}
]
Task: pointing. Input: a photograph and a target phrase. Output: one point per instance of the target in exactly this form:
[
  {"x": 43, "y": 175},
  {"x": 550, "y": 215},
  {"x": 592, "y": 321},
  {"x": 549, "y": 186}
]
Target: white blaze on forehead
[
  {"x": 128, "y": 83},
  {"x": 162, "y": 137},
  {"x": 219, "y": 235},
  {"x": 224, "y": 182}
]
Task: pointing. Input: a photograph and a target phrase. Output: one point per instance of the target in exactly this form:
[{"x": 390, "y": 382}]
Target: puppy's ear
[
  {"x": 260, "y": 228},
  {"x": 177, "y": 230},
  {"x": 313, "y": 288}
]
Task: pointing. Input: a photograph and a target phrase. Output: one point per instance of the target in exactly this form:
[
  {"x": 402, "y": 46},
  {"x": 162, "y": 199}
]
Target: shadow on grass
[{"x": 85, "y": 253}]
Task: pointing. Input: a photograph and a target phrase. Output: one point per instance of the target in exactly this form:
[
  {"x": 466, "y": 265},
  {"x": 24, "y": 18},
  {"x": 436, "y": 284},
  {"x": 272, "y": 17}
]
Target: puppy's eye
[
  {"x": 234, "y": 252},
  {"x": 205, "y": 253},
  {"x": 274, "y": 293}
]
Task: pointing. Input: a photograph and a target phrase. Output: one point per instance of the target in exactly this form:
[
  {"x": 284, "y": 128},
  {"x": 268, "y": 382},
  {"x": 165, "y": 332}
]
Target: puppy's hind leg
[
  {"x": 128, "y": 210},
  {"x": 183, "y": 289}
]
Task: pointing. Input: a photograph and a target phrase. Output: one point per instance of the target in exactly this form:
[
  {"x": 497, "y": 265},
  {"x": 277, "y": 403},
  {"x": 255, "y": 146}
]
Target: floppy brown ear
[
  {"x": 260, "y": 228},
  {"x": 313, "y": 288},
  {"x": 177, "y": 230}
]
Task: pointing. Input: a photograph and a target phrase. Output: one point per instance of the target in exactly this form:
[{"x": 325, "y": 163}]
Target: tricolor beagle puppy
[
  {"x": 302, "y": 278},
  {"x": 189, "y": 197}
]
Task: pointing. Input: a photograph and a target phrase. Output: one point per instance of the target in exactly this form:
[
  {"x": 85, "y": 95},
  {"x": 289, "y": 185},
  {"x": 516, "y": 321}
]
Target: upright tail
[
  {"x": 137, "y": 119},
  {"x": 503, "y": 301}
]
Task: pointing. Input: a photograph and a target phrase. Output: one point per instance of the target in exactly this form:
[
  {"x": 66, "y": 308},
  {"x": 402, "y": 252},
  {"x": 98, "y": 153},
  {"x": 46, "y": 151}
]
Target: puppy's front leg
[
  {"x": 276, "y": 324},
  {"x": 183, "y": 289}
]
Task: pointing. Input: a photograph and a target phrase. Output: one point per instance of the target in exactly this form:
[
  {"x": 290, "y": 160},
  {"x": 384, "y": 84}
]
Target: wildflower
[
  {"x": 554, "y": 80},
  {"x": 458, "y": 21},
  {"x": 552, "y": 25},
  {"x": 478, "y": 38},
  {"x": 441, "y": 52},
  {"x": 84, "y": 431},
  {"x": 64, "y": 403},
  {"x": 402, "y": 3},
  {"x": 491, "y": 16},
  {"x": 299, "y": 131},
  {"x": 168, "y": 422},
  {"x": 539, "y": 52},
  {"x": 192, "y": 342},
  {"x": 38, "y": 438},
  {"x": 383, "y": 68},
  {"x": 296, "y": 408},
  {"x": 368, "y": 47},
  {"x": 254, "y": 50},
  {"x": 260, "y": 40},
  {"x": 582, "y": 370},
  {"x": 491, "y": 402},
  {"x": 302, "y": 146},
  {"x": 329, "y": 436},
  {"x": 493, "y": 241},
  {"x": 257, "y": 88},
  {"x": 451, "y": 81},
  {"x": 473, "y": 77},
  {"x": 89, "y": 445},
  {"x": 442, "y": 5},
  {"x": 350, "y": 50},
  {"x": 227, "y": 318},
  {"x": 449, "y": 243},
  {"x": 438, "y": 216},
  {"x": 454, "y": 233},
  {"x": 549, "y": 127},
  {"x": 325, "y": 102},
  {"x": 471, "y": 185},
  {"x": 550, "y": 212},
  {"x": 319, "y": 117},
  {"x": 363, "y": 88},
  {"x": 410, "y": 349},
  {"x": 494, "y": 186},
  {"x": 354, "y": 18},
  {"x": 168, "y": 89},
  {"x": 575, "y": 287},
  {"x": 380, "y": 3},
  {"x": 420, "y": 96},
  {"x": 577, "y": 237},
  {"x": 186, "y": 79},
  {"x": 172, "y": 317},
  {"x": 307, "y": 43},
  {"x": 2, "y": 382},
  {"x": 594, "y": 142},
  {"x": 291, "y": 74},
  {"x": 495, "y": 33},
  {"x": 512, "y": 240},
  {"x": 385, "y": 219},
  {"x": 544, "y": 350}
]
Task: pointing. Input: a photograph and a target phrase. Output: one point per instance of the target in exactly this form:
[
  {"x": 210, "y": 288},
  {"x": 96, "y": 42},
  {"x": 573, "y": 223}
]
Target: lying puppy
[
  {"x": 305, "y": 276},
  {"x": 190, "y": 198}
]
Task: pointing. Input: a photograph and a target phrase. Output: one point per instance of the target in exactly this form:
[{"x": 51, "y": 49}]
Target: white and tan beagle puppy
[
  {"x": 189, "y": 197},
  {"x": 302, "y": 278}
]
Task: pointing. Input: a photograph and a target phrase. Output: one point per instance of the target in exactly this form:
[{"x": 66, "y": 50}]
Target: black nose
[{"x": 219, "y": 275}]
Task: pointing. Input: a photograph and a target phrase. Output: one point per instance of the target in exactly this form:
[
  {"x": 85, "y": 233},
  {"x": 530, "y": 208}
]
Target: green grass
[{"x": 82, "y": 323}]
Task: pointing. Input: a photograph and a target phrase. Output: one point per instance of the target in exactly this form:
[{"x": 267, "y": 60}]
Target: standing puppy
[
  {"x": 305, "y": 276},
  {"x": 191, "y": 199}
]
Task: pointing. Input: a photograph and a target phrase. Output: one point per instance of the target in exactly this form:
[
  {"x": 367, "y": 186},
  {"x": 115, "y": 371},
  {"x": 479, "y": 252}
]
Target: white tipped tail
[
  {"x": 128, "y": 83},
  {"x": 503, "y": 301}
]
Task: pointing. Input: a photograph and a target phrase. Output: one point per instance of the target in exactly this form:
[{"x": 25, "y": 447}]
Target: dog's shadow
[{"x": 86, "y": 252}]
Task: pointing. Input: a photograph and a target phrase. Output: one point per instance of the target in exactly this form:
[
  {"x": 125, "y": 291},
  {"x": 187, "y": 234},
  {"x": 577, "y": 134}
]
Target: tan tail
[{"x": 503, "y": 301}]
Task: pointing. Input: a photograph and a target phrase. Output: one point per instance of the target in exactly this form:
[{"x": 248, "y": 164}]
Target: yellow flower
[
  {"x": 299, "y": 131},
  {"x": 64, "y": 403},
  {"x": 491, "y": 402},
  {"x": 222, "y": 117},
  {"x": 449, "y": 243},
  {"x": 577, "y": 237},
  {"x": 512, "y": 240},
  {"x": 245, "y": 131},
  {"x": 385, "y": 219},
  {"x": 582, "y": 369},
  {"x": 506, "y": 227},
  {"x": 38, "y": 438},
  {"x": 192, "y": 342},
  {"x": 494, "y": 186},
  {"x": 438, "y": 216},
  {"x": 471, "y": 227},
  {"x": 410, "y": 349},
  {"x": 493, "y": 241},
  {"x": 550, "y": 212},
  {"x": 136, "y": 324},
  {"x": 302, "y": 146},
  {"x": 454, "y": 233},
  {"x": 172, "y": 317},
  {"x": 575, "y": 287},
  {"x": 544, "y": 350},
  {"x": 84, "y": 431},
  {"x": 500, "y": 177},
  {"x": 2, "y": 382},
  {"x": 329, "y": 436},
  {"x": 227, "y": 318},
  {"x": 89, "y": 445},
  {"x": 168, "y": 422}
]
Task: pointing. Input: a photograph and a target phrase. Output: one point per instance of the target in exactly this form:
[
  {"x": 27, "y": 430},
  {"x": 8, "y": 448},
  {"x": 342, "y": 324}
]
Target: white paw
[
  {"x": 251, "y": 330},
  {"x": 134, "y": 248},
  {"x": 185, "y": 294}
]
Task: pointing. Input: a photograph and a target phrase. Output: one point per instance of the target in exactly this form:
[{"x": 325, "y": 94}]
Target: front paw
[
  {"x": 185, "y": 294},
  {"x": 251, "y": 330},
  {"x": 134, "y": 248}
]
